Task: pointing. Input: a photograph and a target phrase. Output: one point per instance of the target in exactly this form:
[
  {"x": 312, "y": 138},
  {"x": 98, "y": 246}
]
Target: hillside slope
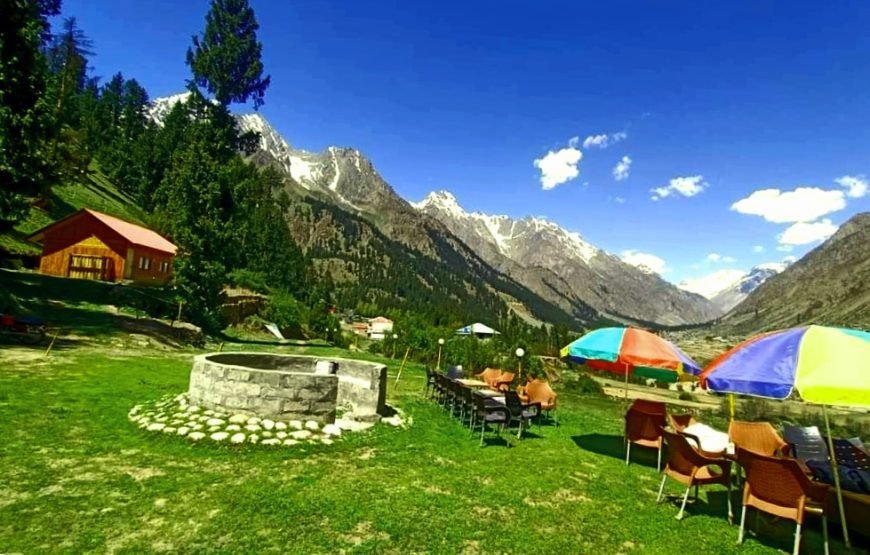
[{"x": 830, "y": 285}]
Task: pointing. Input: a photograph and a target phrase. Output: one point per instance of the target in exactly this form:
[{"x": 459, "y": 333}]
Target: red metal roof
[{"x": 135, "y": 234}]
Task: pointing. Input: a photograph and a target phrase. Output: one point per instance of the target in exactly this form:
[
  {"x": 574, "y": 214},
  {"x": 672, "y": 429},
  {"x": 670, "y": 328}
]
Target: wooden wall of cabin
[
  {"x": 56, "y": 261},
  {"x": 154, "y": 273}
]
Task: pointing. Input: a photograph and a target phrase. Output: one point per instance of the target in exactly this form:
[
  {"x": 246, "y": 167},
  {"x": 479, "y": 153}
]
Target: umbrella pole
[
  {"x": 626, "y": 381},
  {"x": 836, "y": 476},
  {"x": 731, "y": 405}
]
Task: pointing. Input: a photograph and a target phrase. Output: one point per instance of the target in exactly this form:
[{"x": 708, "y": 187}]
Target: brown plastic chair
[
  {"x": 778, "y": 486},
  {"x": 679, "y": 422},
  {"x": 758, "y": 437},
  {"x": 503, "y": 382},
  {"x": 644, "y": 422},
  {"x": 489, "y": 375},
  {"x": 539, "y": 392},
  {"x": 691, "y": 467}
]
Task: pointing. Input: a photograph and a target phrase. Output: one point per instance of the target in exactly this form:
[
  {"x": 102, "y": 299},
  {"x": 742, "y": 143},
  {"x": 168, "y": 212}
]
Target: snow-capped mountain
[
  {"x": 727, "y": 288},
  {"x": 600, "y": 279}
]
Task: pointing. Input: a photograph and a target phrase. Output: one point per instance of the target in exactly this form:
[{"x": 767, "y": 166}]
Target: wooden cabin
[{"x": 93, "y": 245}]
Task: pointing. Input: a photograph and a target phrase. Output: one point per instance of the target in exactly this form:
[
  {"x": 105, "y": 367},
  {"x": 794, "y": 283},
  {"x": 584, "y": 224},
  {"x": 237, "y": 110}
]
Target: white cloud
[
  {"x": 559, "y": 166},
  {"x": 573, "y": 142},
  {"x": 790, "y": 259},
  {"x": 716, "y": 258},
  {"x": 619, "y": 200},
  {"x": 620, "y": 172},
  {"x": 711, "y": 284},
  {"x": 785, "y": 248},
  {"x": 650, "y": 263},
  {"x": 757, "y": 248},
  {"x": 684, "y": 186},
  {"x": 775, "y": 266},
  {"x": 604, "y": 140},
  {"x": 804, "y": 204},
  {"x": 803, "y": 233},
  {"x": 856, "y": 185},
  {"x": 713, "y": 257}
]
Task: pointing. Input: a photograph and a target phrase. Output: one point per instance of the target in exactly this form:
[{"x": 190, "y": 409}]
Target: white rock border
[{"x": 174, "y": 415}]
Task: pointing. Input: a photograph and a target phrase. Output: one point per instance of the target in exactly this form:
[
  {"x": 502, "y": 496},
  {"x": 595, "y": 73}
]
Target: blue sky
[{"x": 466, "y": 96}]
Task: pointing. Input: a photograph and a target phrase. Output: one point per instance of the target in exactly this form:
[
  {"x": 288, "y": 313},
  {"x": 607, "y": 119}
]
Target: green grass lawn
[{"x": 78, "y": 477}]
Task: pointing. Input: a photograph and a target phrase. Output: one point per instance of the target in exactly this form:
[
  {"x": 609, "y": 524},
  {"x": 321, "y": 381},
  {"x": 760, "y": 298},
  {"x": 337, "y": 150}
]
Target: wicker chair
[
  {"x": 806, "y": 444},
  {"x": 429, "y": 388},
  {"x": 691, "y": 467},
  {"x": 489, "y": 375},
  {"x": 540, "y": 392},
  {"x": 520, "y": 413},
  {"x": 455, "y": 372},
  {"x": 758, "y": 437},
  {"x": 679, "y": 422},
  {"x": 644, "y": 422},
  {"x": 488, "y": 414},
  {"x": 503, "y": 383},
  {"x": 779, "y": 486}
]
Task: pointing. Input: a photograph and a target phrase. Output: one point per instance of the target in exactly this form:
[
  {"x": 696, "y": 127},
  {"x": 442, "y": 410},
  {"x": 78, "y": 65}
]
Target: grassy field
[{"x": 79, "y": 478}]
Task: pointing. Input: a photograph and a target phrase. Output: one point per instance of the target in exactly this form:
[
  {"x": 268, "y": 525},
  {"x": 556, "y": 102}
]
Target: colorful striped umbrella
[
  {"x": 631, "y": 351},
  {"x": 828, "y": 366}
]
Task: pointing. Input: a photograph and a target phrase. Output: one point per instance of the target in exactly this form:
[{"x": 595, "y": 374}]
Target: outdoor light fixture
[{"x": 440, "y": 344}]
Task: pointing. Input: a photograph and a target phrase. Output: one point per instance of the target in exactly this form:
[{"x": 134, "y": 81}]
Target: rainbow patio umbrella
[
  {"x": 828, "y": 366},
  {"x": 630, "y": 351}
]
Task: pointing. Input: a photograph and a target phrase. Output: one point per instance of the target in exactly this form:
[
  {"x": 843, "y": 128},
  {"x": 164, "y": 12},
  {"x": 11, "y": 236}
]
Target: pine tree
[{"x": 25, "y": 116}]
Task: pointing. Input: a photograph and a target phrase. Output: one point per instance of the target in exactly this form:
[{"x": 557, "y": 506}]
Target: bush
[
  {"x": 255, "y": 281},
  {"x": 685, "y": 396},
  {"x": 583, "y": 383},
  {"x": 286, "y": 312}
]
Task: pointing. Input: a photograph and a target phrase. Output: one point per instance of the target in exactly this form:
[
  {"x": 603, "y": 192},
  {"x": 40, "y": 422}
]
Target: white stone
[
  {"x": 267, "y": 424},
  {"x": 193, "y": 408},
  {"x": 238, "y": 419},
  {"x": 196, "y": 436},
  {"x": 295, "y": 424},
  {"x": 253, "y": 438},
  {"x": 253, "y": 420},
  {"x": 237, "y": 438},
  {"x": 233, "y": 428},
  {"x": 267, "y": 433},
  {"x": 281, "y": 435},
  {"x": 312, "y": 425},
  {"x": 160, "y": 503},
  {"x": 219, "y": 436},
  {"x": 190, "y": 423},
  {"x": 169, "y": 430},
  {"x": 280, "y": 425},
  {"x": 392, "y": 420},
  {"x": 290, "y": 442},
  {"x": 301, "y": 434},
  {"x": 208, "y": 412},
  {"x": 156, "y": 427},
  {"x": 270, "y": 441},
  {"x": 332, "y": 430},
  {"x": 161, "y": 418},
  {"x": 326, "y": 441},
  {"x": 204, "y": 418},
  {"x": 215, "y": 428},
  {"x": 176, "y": 422},
  {"x": 215, "y": 422},
  {"x": 197, "y": 427},
  {"x": 182, "y": 431},
  {"x": 253, "y": 428}
]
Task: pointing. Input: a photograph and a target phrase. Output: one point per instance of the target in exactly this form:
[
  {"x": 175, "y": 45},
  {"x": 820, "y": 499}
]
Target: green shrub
[
  {"x": 286, "y": 312},
  {"x": 685, "y": 396},
  {"x": 255, "y": 281},
  {"x": 582, "y": 383}
]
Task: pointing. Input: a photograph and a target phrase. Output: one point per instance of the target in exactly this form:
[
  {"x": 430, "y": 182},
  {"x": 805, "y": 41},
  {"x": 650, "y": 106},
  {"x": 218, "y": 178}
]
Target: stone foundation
[{"x": 288, "y": 387}]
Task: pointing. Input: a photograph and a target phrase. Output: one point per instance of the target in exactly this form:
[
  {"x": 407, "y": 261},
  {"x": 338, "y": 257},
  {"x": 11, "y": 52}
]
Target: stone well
[{"x": 288, "y": 387}]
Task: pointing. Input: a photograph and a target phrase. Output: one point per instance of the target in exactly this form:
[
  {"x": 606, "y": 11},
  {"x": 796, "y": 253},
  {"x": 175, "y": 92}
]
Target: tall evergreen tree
[{"x": 25, "y": 116}]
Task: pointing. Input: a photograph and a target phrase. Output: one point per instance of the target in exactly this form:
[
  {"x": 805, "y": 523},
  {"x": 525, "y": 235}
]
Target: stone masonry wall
[{"x": 362, "y": 387}]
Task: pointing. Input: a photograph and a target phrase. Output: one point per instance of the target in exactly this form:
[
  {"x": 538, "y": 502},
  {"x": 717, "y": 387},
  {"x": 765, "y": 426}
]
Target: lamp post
[
  {"x": 440, "y": 344},
  {"x": 520, "y": 352},
  {"x": 395, "y": 337}
]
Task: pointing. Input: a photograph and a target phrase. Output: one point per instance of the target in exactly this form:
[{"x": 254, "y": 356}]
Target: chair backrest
[
  {"x": 513, "y": 403},
  {"x": 648, "y": 407},
  {"x": 851, "y": 452},
  {"x": 539, "y": 391},
  {"x": 779, "y": 481},
  {"x": 759, "y": 437},
  {"x": 479, "y": 401},
  {"x": 430, "y": 375},
  {"x": 806, "y": 443},
  {"x": 489, "y": 375},
  {"x": 643, "y": 425},
  {"x": 506, "y": 377},
  {"x": 682, "y": 456},
  {"x": 680, "y": 422},
  {"x": 454, "y": 372}
]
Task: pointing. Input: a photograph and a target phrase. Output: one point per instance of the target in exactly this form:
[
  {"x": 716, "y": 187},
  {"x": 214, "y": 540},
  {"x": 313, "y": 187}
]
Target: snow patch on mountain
[{"x": 727, "y": 288}]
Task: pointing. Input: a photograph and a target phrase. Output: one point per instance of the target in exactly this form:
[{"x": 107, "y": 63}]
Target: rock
[
  {"x": 156, "y": 427},
  {"x": 233, "y": 428},
  {"x": 253, "y": 428},
  {"x": 237, "y": 438},
  {"x": 204, "y": 418},
  {"x": 160, "y": 503},
  {"x": 161, "y": 418},
  {"x": 253, "y": 420},
  {"x": 271, "y": 441},
  {"x": 193, "y": 408},
  {"x": 169, "y": 430},
  {"x": 301, "y": 434},
  {"x": 176, "y": 422},
  {"x": 326, "y": 441},
  {"x": 215, "y": 428},
  {"x": 215, "y": 422},
  {"x": 392, "y": 420},
  {"x": 238, "y": 419},
  {"x": 190, "y": 423},
  {"x": 332, "y": 430},
  {"x": 280, "y": 425},
  {"x": 197, "y": 427},
  {"x": 295, "y": 424},
  {"x": 281, "y": 435},
  {"x": 267, "y": 434},
  {"x": 219, "y": 436},
  {"x": 182, "y": 431},
  {"x": 312, "y": 425},
  {"x": 253, "y": 438},
  {"x": 267, "y": 424},
  {"x": 290, "y": 442},
  {"x": 208, "y": 412},
  {"x": 195, "y": 436}
]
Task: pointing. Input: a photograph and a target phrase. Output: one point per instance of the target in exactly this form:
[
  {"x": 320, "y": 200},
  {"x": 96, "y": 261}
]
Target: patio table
[{"x": 472, "y": 383}]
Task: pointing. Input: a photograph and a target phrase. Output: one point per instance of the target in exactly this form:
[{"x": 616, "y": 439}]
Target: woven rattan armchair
[
  {"x": 690, "y": 467},
  {"x": 779, "y": 486},
  {"x": 644, "y": 423},
  {"x": 520, "y": 413},
  {"x": 758, "y": 437},
  {"x": 489, "y": 375},
  {"x": 540, "y": 392},
  {"x": 503, "y": 383}
]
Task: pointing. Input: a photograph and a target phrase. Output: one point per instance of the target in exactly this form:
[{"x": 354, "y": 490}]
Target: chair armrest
[
  {"x": 818, "y": 492},
  {"x": 536, "y": 406}
]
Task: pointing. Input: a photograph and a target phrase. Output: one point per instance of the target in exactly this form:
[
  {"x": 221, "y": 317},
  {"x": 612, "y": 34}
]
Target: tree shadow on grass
[{"x": 614, "y": 446}]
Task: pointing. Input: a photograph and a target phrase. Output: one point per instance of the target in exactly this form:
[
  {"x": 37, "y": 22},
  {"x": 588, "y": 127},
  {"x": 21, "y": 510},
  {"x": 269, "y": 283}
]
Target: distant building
[
  {"x": 379, "y": 327},
  {"x": 477, "y": 329},
  {"x": 93, "y": 245},
  {"x": 360, "y": 328}
]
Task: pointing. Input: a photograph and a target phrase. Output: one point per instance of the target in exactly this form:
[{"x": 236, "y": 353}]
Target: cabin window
[
  {"x": 164, "y": 266},
  {"x": 144, "y": 263}
]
